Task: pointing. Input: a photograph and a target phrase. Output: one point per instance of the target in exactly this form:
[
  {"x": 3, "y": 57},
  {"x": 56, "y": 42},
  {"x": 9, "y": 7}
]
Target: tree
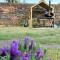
[{"x": 12, "y": 1}]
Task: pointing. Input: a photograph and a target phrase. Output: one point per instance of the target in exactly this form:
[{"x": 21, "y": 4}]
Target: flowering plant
[{"x": 23, "y": 50}]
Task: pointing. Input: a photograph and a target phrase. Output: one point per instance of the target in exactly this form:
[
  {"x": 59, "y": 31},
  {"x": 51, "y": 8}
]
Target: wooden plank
[{"x": 30, "y": 21}]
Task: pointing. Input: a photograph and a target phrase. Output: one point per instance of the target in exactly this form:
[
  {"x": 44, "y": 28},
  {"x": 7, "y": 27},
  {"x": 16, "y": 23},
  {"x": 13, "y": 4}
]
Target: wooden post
[
  {"x": 49, "y": 7},
  {"x": 53, "y": 23},
  {"x": 30, "y": 21}
]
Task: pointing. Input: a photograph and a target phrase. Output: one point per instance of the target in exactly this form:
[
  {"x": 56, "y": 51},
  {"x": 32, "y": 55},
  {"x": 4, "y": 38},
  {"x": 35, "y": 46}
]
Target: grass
[{"x": 42, "y": 35}]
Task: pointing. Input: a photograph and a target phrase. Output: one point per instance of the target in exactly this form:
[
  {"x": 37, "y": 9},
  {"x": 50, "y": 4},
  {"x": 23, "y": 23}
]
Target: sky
[{"x": 36, "y": 1}]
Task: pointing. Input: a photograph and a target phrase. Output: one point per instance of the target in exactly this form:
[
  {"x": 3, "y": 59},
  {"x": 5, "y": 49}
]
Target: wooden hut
[{"x": 38, "y": 15}]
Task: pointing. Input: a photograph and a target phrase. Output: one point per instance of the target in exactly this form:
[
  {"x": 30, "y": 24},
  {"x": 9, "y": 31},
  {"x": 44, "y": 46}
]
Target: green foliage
[
  {"x": 21, "y": 48},
  {"x": 24, "y": 23},
  {"x": 32, "y": 57},
  {"x": 35, "y": 23},
  {"x": 12, "y": 1},
  {"x": 46, "y": 55},
  {"x": 42, "y": 35},
  {"x": 7, "y": 57}
]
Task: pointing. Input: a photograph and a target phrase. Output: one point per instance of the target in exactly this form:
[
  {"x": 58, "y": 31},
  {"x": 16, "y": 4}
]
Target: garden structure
[{"x": 43, "y": 14}]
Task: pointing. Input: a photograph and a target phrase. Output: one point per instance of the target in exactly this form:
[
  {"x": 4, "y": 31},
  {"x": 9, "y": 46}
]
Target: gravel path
[
  {"x": 7, "y": 43},
  {"x": 53, "y": 46}
]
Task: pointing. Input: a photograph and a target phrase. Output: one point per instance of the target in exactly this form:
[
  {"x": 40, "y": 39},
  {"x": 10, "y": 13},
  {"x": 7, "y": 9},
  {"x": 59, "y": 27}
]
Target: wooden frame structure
[{"x": 45, "y": 6}]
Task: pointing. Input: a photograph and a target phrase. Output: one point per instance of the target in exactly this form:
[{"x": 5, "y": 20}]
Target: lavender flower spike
[
  {"x": 26, "y": 42},
  {"x": 2, "y": 52},
  {"x": 39, "y": 54},
  {"x": 26, "y": 56},
  {"x": 27, "y": 38},
  {"x": 32, "y": 45},
  {"x": 14, "y": 48}
]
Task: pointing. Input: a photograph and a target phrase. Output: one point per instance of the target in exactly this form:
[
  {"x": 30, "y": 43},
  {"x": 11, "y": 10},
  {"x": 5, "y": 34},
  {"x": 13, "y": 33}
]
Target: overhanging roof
[{"x": 44, "y": 5}]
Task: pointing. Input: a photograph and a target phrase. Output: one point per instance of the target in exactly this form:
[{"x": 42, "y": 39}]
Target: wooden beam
[{"x": 30, "y": 21}]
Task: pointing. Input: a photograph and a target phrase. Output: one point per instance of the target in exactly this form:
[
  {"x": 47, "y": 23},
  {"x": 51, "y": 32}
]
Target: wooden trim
[
  {"x": 44, "y": 3},
  {"x": 30, "y": 21}
]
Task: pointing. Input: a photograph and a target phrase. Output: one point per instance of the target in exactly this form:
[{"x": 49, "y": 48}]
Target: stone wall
[
  {"x": 12, "y": 14},
  {"x": 57, "y": 13}
]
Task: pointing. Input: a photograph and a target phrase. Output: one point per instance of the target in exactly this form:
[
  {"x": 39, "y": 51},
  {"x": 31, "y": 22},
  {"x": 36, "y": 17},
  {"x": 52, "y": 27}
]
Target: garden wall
[{"x": 12, "y": 14}]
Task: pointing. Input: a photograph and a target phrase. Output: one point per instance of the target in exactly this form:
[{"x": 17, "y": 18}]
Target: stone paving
[{"x": 7, "y": 43}]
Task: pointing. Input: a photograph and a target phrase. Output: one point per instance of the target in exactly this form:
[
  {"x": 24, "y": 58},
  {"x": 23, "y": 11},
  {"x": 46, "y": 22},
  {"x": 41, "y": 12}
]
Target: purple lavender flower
[
  {"x": 26, "y": 42},
  {"x": 18, "y": 53},
  {"x": 26, "y": 56},
  {"x": 39, "y": 53},
  {"x": 27, "y": 38},
  {"x": 7, "y": 49},
  {"x": 14, "y": 48},
  {"x": 14, "y": 52},
  {"x": 2, "y": 52},
  {"x": 32, "y": 45}
]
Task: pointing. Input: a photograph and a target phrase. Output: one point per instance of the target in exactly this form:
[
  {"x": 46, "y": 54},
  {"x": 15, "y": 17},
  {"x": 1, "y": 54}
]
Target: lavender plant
[{"x": 25, "y": 50}]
